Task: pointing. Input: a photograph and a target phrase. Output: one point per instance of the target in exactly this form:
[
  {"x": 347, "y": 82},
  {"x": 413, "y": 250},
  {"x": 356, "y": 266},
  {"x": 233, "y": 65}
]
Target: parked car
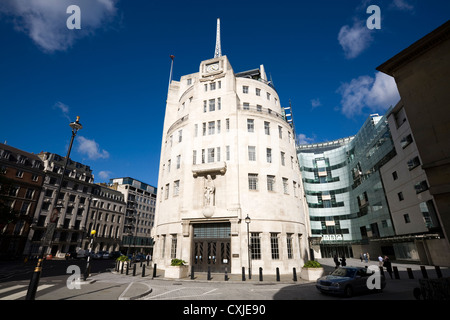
[
  {"x": 105, "y": 255},
  {"x": 115, "y": 254},
  {"x": 349, "y": 280}
]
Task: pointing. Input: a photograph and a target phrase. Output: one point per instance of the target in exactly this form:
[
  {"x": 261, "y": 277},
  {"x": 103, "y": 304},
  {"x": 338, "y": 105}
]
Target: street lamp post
[
  {"x": 92, "y": 233},
  {"x": 34, "y": 282},
  {"x": 247, "y": 221}
]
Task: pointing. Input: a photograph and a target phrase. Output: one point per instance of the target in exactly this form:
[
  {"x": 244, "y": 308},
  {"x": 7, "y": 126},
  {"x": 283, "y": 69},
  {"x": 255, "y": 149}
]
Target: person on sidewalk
[
  {"x": 387, "y": 264},
  {"x": 336, "y": 261},
  {"x": 380, "y": 261},
  {"x": 343, "y": 261}
]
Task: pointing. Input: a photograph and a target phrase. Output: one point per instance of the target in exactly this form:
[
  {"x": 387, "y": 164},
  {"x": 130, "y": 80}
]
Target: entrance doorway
[{"x": 211, "y": 247}]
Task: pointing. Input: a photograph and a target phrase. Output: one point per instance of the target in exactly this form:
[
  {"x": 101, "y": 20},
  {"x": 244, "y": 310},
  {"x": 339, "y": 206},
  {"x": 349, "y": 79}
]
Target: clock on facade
[{"x": 212, "y": 67}]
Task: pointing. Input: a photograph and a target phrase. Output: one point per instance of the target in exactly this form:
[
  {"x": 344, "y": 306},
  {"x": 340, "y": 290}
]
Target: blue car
[{"x": 350, "y": 280}]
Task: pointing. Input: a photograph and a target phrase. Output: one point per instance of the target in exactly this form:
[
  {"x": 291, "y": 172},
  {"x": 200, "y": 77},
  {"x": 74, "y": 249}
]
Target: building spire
[{"x": 218, "y": 51}]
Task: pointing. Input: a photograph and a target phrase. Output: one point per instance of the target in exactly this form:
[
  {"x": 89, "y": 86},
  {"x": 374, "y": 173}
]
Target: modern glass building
[{"x": 344, "y": 191}]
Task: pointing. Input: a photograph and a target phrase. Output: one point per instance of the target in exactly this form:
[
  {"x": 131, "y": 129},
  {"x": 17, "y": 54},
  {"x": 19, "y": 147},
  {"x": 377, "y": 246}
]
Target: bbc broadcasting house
[{"x": 228, "y": 153}]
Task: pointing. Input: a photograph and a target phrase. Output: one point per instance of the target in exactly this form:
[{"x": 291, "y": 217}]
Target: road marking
[
  {"x": 23, "y": 293},
  {"x": 12, "y": 288}
]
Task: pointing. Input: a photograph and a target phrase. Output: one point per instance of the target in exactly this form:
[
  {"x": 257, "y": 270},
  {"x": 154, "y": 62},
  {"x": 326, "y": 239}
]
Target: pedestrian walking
[
  {"x": 388, "y": 265},
  {"x": 343, "y": 261},
  {"x": 380, "y": 260},
  {"x": 336, "y": 261},
  {"x": 368, "y": 257},
  {"x": 365, "y": 257},
  {"x": 361, "y": 256}
]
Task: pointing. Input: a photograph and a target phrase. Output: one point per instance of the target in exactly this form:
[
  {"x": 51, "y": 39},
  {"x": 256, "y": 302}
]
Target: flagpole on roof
[{"x": 171, "y": 69}]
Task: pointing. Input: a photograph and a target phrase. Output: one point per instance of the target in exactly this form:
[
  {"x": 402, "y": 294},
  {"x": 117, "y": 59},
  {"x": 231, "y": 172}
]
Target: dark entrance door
[{"x": 212, "y": 247}]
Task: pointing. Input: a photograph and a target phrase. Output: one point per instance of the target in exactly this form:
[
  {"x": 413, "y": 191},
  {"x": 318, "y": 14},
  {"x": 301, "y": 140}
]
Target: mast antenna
[{"x": 218, "y": 51}]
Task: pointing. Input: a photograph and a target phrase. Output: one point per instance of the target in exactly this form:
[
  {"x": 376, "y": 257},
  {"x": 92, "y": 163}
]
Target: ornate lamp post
[
  {"x": 32, "y": 288},
  {"x": 247, "y": 221}
]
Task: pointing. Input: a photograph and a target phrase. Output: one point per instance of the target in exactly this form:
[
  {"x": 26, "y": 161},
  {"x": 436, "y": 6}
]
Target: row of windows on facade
[
  {"x": 20, "y": 159},
  {"x": 218, "y": 85},
  {"x": 255, "y": 245},
  {"x": 212, "y": 155},
  {"x": 215, "y": 127},
  {"x": 253, "y": 185}
]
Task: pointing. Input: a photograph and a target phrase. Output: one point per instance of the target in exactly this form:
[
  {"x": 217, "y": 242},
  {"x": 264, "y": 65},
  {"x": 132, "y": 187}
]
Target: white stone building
[{"x": 228, "y": 152}]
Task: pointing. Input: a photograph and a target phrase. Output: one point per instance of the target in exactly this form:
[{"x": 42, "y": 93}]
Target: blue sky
[{"x": 114, "y": 71}]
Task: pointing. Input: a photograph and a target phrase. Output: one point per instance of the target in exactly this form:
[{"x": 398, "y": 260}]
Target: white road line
[
  {"x": 21, "y": 294},
  {"x": 12, "y": 288}
]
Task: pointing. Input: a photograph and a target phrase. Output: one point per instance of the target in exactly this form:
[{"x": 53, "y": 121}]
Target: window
[
  {"x": 189, "y": 82},
  {"x": 204, "y": 128},
  {"x": 258, "y": 92},
  {"x": 258, "y": 108},
  {"x": 203, "y": 155},
  {"x": 282, "y": 158},
  {"x": 289, "y": 246},
  {"x": 210, "y": 155},
  {"x": 267, "y": 128},
  {"x": 406, "y": 218},
  {"x": 255, "y": 245},
  {"x": 228, "y": 152},
  {"x": 294, "y": 185},
  {"x": 167, "y": 191},
  {"x": 285, "y": 186},
  {"x": 413, "y": 163},
  {"x": 212, "y": 86},
  {"x": 271, "y": 183},
  {"x": 227, "y": 124},
  {"x": 250, "y": 125},
  {"x": 204, "y": 106},
  {"x": 178, "y": 161},
  {"x": 244, "y": 89},
  {"x": 251, "y": 153},
  {"x": 406, "y": 141},
  {"x": 218, "y": 126},
  {"x": 211, "y": 127},
  {"x": 212, "y": 104},
  {"x": 268, "y": 96},
  {"x": 280, "y": 132},
  {"x": 274, "y": 246},
  {"x": 206, "y": 87},
  {"x": 19, "y": 174},
  {"x": 269, "y": 155},
  {"x": 180, "y": 135},
  {"x": 400, "y": 196},
  {"x": 219, "y": 103},
  {"x": 421, "y": 187},
  {"x": 394, "y": 175},
  {"x": 173, "y": 249},
  {"x": 176, "y": 188},
  {"x": 246, "y": 106},
  {"x": 252, "y": 181}
]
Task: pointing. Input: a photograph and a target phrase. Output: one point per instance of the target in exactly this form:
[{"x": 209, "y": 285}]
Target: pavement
[{"x": 118, "y": 285}]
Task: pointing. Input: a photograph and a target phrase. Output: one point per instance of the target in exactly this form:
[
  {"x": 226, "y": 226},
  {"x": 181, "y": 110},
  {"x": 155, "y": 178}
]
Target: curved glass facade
[{"x": 344, "y": 190}]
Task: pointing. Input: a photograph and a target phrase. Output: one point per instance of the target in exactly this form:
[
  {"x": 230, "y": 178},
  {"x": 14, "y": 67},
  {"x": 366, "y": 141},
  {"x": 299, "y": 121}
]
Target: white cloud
[
  {"x": 377, "y": 93},
  {"x": 44, "y": 21},
  {"x": 91, "y": 149},
  {"x": 104, "y": 175},
  {"x": 402, "y": 5},
  {"x": 355, "y": 39},
  {"x": 303, "y": 139},
  {"x": 315, "y": 103},
  {"x": 63, "y": 108}
]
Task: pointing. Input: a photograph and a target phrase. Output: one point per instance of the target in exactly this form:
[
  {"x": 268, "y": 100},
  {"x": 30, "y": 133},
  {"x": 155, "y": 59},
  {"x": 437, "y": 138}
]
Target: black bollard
[
  {"x": 134, "y": 269},
  {"x": 438, "y": 271},
  {"x": 243, "y": 273},
  {"x": 294, "y": 271},
  {"x": 209, "y": 273},
  {"x": 278, "y": 274},
  {"x": 154, "y": 270},
  {"x": 226, "y": 274},
  {"x": 192, "y": 272},
  {"x": 128, "y": 268},
  {"x": 121, "y": 269},
  {"x": 410, "y": 273},
  {"x": 260, "y": 274},
  {"x": 397, "y": 275},
  {"x": 143, "y": 270},
  {"x": 424, "y": 272}
]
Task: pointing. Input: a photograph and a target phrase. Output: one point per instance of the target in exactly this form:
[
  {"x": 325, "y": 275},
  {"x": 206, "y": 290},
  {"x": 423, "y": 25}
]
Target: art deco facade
[{"x": 228, "y": 153}]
